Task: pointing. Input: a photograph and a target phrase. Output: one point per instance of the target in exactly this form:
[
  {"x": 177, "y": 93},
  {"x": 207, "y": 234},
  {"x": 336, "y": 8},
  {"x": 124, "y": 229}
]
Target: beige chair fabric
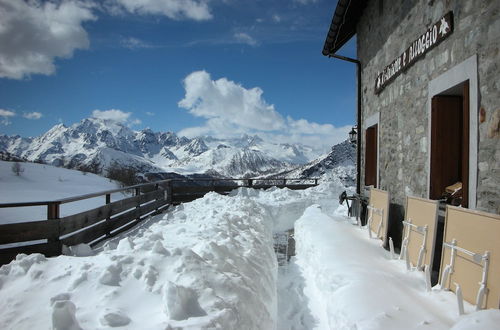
[
  {"x": 476, "y": 232},
  {"x": 422, "y": 213},
  {"x": 378, "y": 213}
]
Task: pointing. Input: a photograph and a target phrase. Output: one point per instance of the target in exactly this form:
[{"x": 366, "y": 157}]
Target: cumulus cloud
[
  {"x": 232, "y": 110},
  {"x": 197, "y": 10},
  {"x": 34, "y": 33},
  {"x": 5, "y": 115},
  {"x": 224, "y": 102},
  {"x": 32, "y": 115},
  {"x": 117, "y": 116},
  {"x": 112, "y": 114},
  {"x": 245, "y": 38}
]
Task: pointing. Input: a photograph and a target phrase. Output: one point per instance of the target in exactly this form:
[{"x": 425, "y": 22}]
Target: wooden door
[
  {"x": 371, "y": 152},
  {"x": 446, "y": 143}
]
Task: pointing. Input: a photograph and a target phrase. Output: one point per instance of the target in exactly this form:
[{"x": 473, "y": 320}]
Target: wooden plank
[
  {"x": 201, "y": 189},
  {"x": 300, "y": 186},
  {"x": 185, "y": 198},
  {"x": 78, "y": 221},
  {"x": 379, "y": 199},
  {"x": 28, "y": 231},
  {"x": 163, "y": 183},
  {"x": 47, "y": 249},
  {"x": 100, "y": 229},
  {"x": 289, "y": 186},
  {"x": 133, "y": 223},
  {"x": 477, "y": 232},
  {"x": 421, "y": 212},
  {"x": 128, "y": 226},
  {"x": 94, "y": 232},
  {"x": 87, "y": 235}
]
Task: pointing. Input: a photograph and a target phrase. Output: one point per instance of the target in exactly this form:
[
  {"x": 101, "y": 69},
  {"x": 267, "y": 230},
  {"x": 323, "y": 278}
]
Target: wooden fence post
[
  {"x": 137, "y": 193},
  {"x": 169, "y": 191},
  {"x": 157, "y": 187},
  {"x": 108, "y": 201},
  {"x": 53, "y": 214}
]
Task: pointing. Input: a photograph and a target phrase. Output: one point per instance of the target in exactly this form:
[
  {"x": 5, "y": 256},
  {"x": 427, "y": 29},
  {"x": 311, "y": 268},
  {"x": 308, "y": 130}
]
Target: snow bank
[
  {"x": 287, "y": 206},
  {"x": 210, "y": 264},
  {"x": 352, "y": 283},
  {"x": 41, "y": 182},
  {"x": 206, "y": 264}
]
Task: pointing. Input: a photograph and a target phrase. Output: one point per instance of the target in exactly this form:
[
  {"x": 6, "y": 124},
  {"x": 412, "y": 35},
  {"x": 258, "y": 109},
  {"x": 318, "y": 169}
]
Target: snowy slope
[
  {"x": 100, "y": 142},
  {"x": 209, "y": 264},
  {"x": 340, "y": 163},
  {"x": 44, "y": 183}
]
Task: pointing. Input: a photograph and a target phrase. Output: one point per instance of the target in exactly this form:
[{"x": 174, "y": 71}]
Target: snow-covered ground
[
  {"x": 40, "y": 182},
  {"x": 209, "y": 264}
]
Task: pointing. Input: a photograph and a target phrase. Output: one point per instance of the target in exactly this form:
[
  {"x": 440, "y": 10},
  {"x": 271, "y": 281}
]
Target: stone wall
[{"x": 385, "y": 30}]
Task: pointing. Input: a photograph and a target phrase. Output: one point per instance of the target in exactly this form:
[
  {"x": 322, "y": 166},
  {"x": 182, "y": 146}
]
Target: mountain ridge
[{"x": 100, "y": 143}]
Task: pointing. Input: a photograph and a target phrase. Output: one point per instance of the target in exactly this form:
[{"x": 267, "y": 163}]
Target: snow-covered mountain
[
  {"x": 99, "y": 143},
  {"x": 339, "y": 162}
]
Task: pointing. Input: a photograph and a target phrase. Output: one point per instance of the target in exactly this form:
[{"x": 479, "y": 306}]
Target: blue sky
[{"x": 218, "y": 67}]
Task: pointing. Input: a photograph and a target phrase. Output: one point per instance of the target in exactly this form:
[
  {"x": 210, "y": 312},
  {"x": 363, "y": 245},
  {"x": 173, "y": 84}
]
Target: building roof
[{"x": 343, "y": 26}]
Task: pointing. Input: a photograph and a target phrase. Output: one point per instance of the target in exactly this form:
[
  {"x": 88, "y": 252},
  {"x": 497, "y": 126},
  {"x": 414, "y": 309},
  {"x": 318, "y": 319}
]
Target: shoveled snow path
[
  {"x": 293, "y": 305},
  {"x": 352, "y": 283}
]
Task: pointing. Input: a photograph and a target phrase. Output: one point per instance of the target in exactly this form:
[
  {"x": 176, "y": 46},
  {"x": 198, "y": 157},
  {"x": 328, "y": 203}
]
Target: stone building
[{"x": 428, "y": 96}]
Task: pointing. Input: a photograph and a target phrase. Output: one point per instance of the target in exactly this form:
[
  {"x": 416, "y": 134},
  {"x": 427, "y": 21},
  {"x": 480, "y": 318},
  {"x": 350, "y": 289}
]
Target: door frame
[{"x": 467, "y": 70}]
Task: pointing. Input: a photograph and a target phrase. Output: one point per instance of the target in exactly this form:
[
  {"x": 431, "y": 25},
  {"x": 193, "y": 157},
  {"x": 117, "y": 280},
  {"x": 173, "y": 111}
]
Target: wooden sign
[{"x": 436, "y": 33}]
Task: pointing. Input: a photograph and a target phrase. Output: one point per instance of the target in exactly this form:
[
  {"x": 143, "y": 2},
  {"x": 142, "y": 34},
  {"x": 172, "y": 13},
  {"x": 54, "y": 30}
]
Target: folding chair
[
  {"x": 378, "y": 211},
  {"x": 471, "y": 257}
]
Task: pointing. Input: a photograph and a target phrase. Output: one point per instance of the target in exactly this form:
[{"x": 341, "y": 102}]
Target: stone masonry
[{"x": 385, "y": 30}]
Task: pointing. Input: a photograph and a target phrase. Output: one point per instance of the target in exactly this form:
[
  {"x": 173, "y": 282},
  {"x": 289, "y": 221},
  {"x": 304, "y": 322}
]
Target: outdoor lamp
[{"x": 353, "y": 135}]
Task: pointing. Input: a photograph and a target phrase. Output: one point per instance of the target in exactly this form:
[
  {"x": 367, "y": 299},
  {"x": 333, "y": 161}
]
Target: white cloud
[
  {"x": 118, "y": 116},
  {"x": 197, "y": 10},
  {"x": 34, "y": 33},
  {"x": 5, "y": 115},
  {"x": 231, "y": 110},
  {"x": 32, "y": 115},
  {"x": 245, "y": 38},
  {"x": 134, "y": 43},
  {"x": 113, "y": 115},
  {"x": 306, "y": 2},
  {"x": 150, "y": 113},
  {"x": 226, "y": 103},
  {"x": 276, "y": 18}
]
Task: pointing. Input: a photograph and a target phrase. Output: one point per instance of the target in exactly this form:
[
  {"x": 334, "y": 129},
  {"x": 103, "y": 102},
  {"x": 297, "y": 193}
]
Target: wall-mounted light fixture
[{"x": 353, "y": 135}]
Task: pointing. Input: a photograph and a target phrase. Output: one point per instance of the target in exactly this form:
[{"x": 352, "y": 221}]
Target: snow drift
[{"x": 210, "y": 264}]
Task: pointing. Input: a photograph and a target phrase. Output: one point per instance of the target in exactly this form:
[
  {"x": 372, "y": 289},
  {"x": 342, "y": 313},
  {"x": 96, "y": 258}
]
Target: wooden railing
[
  {"x": 187, "y": 190},
  {"x": 91, "y": 226},
  {"x": 95, "y": 225}
]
